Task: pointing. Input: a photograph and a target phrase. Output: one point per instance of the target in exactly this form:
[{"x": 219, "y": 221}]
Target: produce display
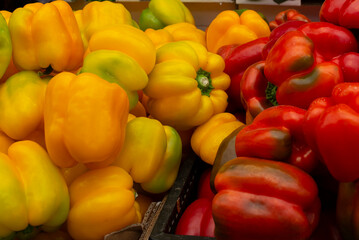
[{"x": 99, "y": 113}]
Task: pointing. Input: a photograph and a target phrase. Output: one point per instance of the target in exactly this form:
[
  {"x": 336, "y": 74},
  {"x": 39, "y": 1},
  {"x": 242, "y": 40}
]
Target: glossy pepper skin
[
  {"x": 348, "y": 64},
  {"x": 276, "y": 134},
  {"x": 161, "y": 13},
  {"x": 187, "y": 85},
  {"x": 347, "y": 210},
  {"x": 306, "y": 72},
  {"x": 237, "y": 59},
  {"x": 110, "y": 190},
  {"x": 151, "y": 154},
  {"x": 34, "y": 192},
  {"x": 278, "y": 32},
  {"x": 197, "y": 219},
  {"x": 128, "y": 40},
  {"x": 6, "y": 46},
  {"x": 286, "y": 16},
  {"x": 46, "y": 35},
  {"x": 342, "y": 13},
  {"x": 230, "y": 27},
  {"x": 176, "y": 32},
  {"x": 251, "y": 196},
  {"x": 206, "y": 138},
  {"x": 330, "y": 126},
  {"x": 253, "y": 89},
  {"x": 97, "y": 15},
  {"x": 85, "y": 118},
  {"x": 22, "y": 97},
  {"x": 117, "y": 67}
]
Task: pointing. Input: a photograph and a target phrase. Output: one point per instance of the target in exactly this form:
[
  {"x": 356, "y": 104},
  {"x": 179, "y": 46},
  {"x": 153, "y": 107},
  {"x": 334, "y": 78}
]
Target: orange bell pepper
[
  {"x": 102, "y": 201},
  {"x": 232, "y": 27},
  {"x": 46, "y": 35},
  {"x": 85, "y": 118}
]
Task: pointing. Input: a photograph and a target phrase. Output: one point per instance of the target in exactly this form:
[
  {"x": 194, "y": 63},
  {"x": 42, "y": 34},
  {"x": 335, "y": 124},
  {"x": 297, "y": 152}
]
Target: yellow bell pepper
[
  {"x": 117, "y": 67},
  {"x": 102, "y": 201},
  {"x": 6, "y": 14},
  {"x": 127, "y": 39},
  {"x": 11, "y": 69},
  {"x": 151, "y": 154},
  {"x": 5, "y": 142},
  {"x": 85, "y": 118},
  {"x": 207, "y": 137},
  {"x": 230, "y": 27},
  {"x": 6, "y": 45},
  {"x": 161, "y": 13},
  {"x": 33, "y": 191},
  {"x": 80, "y": 23},
  {"x": 22, "y": 99},
  {"x": 97, "y": 15},
  {"x": 46, "y": 35},
  {"x": 176, "y": 32},
  {"x": 187, "y": 85}
]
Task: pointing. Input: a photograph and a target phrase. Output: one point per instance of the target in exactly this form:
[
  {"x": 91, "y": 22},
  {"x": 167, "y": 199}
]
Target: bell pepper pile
[{"x": 98, "y": 113}]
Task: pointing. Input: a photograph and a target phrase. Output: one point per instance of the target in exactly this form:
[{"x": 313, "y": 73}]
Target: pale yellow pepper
[{"x": 22, "y": 99}]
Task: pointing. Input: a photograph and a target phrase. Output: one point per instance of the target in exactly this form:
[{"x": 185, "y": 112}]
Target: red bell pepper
[
  {"x": 261, "y": 199},
  {"x": 340, "y": 12},
  {"x": 286, "y": 16},
  {"x": 348, "y": 63},
  {"x": 347, "y": 210},
  {"x": 276, "y": 134},
  {"x": 331, "y": 127},
  {"x": 330, "y": 40},
  {"x": 197, "y": 219},
  {"x": 278, "y": 32},
  {"x": 299, "y": 63},
  {"x": 237, "y": 60},
  {"x": 253, "y": 89}
]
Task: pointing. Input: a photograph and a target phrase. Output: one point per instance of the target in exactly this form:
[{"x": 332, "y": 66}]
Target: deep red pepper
[
  {"x": 278, "y": 32},
  {"x": 299, "y": 63},
  {"x": 340, "y": 12},
  {"x": 237, "y": 60},
  {"x": 197, "y": 219},
  {"x": 260, "y": 199},
  {"x": 331, "y": 128},
  {"x": 287, "y": 16},
  {"x": 276, "y": 134},
  {"x": 300, "y": 90},
  {"x": 253, "y": 91},
  {"x": 329, "y": 40},
  {"x": 349, "y": 64}
]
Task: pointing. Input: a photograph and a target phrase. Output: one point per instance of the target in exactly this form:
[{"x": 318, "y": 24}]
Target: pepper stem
[
  {"x": 271, "y": 92},
  {"x": 204, "y": 82}
]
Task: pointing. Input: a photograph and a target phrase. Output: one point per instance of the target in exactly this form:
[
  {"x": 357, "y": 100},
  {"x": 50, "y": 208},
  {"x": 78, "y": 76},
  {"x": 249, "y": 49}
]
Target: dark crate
[{"x": 182, "y": 193}]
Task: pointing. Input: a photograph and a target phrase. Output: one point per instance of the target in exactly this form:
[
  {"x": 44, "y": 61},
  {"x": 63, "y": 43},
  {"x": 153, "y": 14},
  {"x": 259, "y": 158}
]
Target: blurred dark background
[{"x": 11, "y": 5}]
